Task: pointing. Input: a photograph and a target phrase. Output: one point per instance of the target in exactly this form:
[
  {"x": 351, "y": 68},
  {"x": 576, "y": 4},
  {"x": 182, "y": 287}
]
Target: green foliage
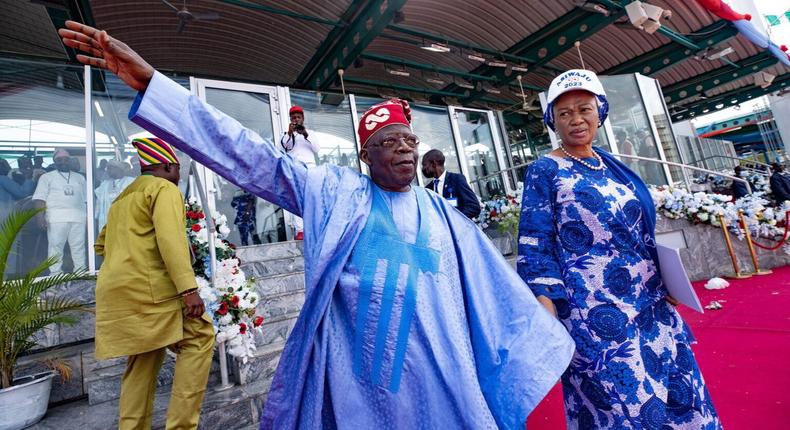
[{"x": 26, "y": 303}]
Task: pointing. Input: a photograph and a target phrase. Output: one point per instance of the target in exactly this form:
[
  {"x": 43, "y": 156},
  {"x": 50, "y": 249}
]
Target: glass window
[
  {"x": 631, "y": 127},
  {"x": 115, "y": 163},
  {"x": 478, "y": 143},
  {"x": 651, "y": 93},
  {"x": 432, "y": 125},
  {"x": 261, "y": 222},
  {"x": 331, "y": 127},
  {"x": 42, "y": 114}
]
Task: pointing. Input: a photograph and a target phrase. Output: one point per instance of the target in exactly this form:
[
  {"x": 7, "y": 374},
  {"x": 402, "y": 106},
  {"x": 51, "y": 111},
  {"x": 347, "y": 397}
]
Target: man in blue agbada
[{"x": 412, "y": 319}]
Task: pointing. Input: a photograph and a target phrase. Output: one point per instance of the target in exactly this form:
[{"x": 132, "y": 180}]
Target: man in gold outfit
[{"x": 146, "y": 294}]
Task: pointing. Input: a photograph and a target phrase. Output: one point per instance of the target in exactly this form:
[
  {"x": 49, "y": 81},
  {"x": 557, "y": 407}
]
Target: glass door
[
  {"x": 476, "y": 145},
  {"x": 252, "y": 220}
]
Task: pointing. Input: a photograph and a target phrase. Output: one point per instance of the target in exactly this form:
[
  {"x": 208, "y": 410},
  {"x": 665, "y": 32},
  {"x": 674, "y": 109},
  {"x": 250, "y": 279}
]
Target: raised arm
[
  {"x": 220, "y": 143},
  {"x": 168, "y": 111}
]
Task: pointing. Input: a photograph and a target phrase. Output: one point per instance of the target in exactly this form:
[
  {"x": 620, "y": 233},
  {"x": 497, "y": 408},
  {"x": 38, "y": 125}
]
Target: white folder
[{"x": 675, "y": 278}]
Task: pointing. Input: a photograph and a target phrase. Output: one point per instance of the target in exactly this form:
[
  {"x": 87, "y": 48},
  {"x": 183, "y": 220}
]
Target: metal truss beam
[
  {"x": 699, "y": 84},
  {"x": 555, "y": 38},
  {"x": 386, "y": 59},
  {"x": 349, "y": 43},
  {"x": 652, "y": 62},
  {"x": 729, "y": 99}
]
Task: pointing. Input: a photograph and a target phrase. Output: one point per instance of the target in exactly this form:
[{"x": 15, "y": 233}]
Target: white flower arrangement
[
  {"x": 761, "y": 219},
  {"x": 231, "y": 301}
]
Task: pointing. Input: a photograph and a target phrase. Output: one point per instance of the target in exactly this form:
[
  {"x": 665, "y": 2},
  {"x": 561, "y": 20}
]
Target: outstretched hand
[{"x": 107, "y": 53}]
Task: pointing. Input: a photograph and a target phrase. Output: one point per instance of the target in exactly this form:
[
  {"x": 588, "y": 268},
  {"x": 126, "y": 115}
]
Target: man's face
[
  {"x": 174, "y": 175},
  {"x": 297, "y": 118},
  {"x": 62, "y": 163},
  {"x": 392, "y": 156},
  {"x": 25, "y": 163},
  {"x": 429, "y": 168}
]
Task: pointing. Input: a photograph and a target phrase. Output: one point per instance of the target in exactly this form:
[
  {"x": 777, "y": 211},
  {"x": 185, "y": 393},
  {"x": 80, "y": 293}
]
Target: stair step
[
  {"x": 104, "y": 384},
  {"x": 260, "y": 368},
  {"x": 270, "y": 251},
  {"x": 273, "y": 308},
  {"x": 280, "y": 266},
  {"x": 235, "y": 408},
  {"x": 280, "y": 284}
]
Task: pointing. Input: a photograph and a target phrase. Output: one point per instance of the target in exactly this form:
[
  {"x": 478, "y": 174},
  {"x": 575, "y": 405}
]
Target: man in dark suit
[
  {"x": 451, "y": 186},
  {"x": 780, "y": 184}
]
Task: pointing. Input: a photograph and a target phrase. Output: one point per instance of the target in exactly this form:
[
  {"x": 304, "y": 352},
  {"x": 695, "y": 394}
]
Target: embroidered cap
[
  {"x": 393, "y": 111},
  {"x": 574, "y": 80},
  {"x": 152, "y": 150}
]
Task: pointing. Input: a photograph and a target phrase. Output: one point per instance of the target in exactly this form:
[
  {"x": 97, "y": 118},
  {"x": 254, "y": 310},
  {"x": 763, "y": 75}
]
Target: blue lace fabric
[{"x": 582, "y": 244}]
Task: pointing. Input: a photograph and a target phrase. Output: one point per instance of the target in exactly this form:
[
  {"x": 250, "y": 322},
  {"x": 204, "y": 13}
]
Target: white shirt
[
  {"x": 440, "y": 186},
  {"x": 303, "y": 149},
  {"x": 65, "y": 196}
]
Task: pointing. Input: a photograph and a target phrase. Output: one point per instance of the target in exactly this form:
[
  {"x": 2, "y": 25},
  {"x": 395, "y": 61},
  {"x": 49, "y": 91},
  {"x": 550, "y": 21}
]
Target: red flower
[
  {"x": 196, "y": 227},
  {"x": 258, "y": 321},
  {"x": 235, "y": 300},
  {"x": 242, "y": 328},
  {"x": 201, "y": 215},
  {"x": 493, "y": 213},
  {"x": 223, "y": 308}
]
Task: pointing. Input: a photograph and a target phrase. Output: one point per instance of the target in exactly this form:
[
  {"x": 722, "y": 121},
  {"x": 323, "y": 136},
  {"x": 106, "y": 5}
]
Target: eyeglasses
[{"x": 390, "y": 142}]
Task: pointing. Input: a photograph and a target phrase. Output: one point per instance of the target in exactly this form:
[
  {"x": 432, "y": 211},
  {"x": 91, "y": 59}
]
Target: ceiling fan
[
  {"x": 526, "y": 106},
  {"x": 185, "y": 16}
]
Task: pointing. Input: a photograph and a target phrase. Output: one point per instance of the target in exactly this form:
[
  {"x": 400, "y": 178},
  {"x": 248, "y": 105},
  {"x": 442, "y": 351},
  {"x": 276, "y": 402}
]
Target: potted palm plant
[{"x": 26, "y": 307}]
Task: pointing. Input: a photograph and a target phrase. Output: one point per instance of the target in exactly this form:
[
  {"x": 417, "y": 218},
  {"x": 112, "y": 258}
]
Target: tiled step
[
  {"x": 271, "y": 251},
  {"x": 237, "y": 408},
  {"x": 280, "y": 266},
  {"x": 260, "y": 368},
  {"x": 103, "y": 381}
]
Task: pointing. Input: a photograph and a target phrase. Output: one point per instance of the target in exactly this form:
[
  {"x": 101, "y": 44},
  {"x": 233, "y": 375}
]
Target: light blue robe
[{"x": 477, "y": 350}]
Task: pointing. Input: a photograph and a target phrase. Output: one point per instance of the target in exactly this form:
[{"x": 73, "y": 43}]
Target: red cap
[
  {"x": 393, "y": 111},
  {"x": 295, "y": 109}
]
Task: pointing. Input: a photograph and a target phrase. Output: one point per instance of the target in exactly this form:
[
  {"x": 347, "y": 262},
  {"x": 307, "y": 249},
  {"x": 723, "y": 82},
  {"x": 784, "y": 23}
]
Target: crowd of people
[{"x": 59, "y": 189}]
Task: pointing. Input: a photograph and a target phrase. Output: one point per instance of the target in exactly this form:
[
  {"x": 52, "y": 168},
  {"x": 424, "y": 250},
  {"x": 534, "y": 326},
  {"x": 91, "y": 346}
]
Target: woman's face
[{"x": 576, "y": 118}]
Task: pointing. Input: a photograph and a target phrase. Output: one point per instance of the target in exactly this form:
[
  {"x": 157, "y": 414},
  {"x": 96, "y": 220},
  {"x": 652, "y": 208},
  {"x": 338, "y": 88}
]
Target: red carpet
[{"x": 743, "y": 351}]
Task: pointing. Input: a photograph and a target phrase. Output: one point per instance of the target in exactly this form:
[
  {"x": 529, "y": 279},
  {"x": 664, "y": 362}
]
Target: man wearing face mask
[{"x": 62, "y": 193}]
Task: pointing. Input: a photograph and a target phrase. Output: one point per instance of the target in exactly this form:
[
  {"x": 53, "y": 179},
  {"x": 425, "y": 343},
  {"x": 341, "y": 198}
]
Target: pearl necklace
[{"x": 600, "y": 165}]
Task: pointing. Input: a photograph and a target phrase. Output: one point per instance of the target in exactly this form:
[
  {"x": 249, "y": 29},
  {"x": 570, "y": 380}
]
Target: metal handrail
[
  {"x": 767, "y": 166},
  {"x": 686, "y": 166}
]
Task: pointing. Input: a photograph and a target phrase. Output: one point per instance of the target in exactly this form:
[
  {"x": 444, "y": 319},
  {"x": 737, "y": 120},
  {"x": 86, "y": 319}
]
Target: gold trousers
[{"x": 193, "y": 364}]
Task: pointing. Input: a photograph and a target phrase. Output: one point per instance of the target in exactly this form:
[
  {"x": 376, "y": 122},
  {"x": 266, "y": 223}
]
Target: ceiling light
[
  {"x": 722, "y": 53},
  {"x": 476, "y": 57},
  {"x": 523, "y": 69},
  {"x": 594, "y": 7},
  {"x": 398, "y": 72},
  {"x": 435, "y": 80},
  {"x": 436, "y": 47},
  {"x": 465, "y": 84},
  {"x": 98, "y": 108},
  {"x": 495, "y": 63},
  {"x": 492, "y": 90}
]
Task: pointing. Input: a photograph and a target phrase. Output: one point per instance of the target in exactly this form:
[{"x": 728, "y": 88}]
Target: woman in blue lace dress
[{"x": 587, "y": 251}]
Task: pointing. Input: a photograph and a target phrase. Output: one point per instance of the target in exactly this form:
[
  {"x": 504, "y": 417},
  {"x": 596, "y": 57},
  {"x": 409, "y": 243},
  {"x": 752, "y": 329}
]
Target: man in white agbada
[
  {"x": 62, "y": 193},
  {"x": 109, "y": 189}
]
